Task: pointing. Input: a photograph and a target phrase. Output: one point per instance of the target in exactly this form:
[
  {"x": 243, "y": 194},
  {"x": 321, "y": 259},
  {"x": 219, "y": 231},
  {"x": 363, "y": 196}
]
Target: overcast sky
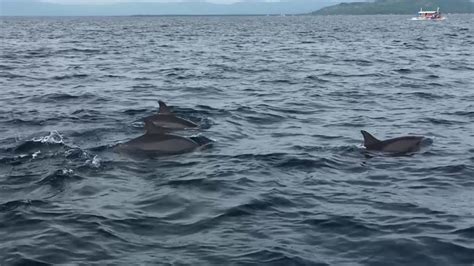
[{"x": 214, "y": 1}]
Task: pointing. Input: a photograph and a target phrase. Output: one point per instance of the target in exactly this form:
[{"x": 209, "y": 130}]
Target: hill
[{"x": 397, "y": 7}]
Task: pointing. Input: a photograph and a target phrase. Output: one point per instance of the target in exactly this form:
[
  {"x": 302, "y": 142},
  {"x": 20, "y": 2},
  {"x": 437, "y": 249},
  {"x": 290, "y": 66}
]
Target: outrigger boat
[{"x": 429, "y": 15}]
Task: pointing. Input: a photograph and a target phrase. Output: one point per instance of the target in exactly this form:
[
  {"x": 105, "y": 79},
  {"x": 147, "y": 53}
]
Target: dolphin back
[
  {"x": 152, "y": 128},
  {"x": 369, "y": 140},
  {"x": 396, "y": 145},
  {"x": 164, "y": 109},
  {"x": 403, "y": 144},
  {"x": 158, "y": 144},
  {"x": 166, "y": 120}
]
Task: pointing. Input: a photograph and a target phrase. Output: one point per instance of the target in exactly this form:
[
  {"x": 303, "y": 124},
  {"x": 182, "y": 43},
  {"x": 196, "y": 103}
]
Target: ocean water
[{"x": 286, "y": 182}]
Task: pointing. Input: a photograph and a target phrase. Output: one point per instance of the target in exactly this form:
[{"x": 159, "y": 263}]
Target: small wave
[
  {"x": 6, "y": 67},
  {"x": 19, "y": 121},
  {"x": 11, "y": 205},
  {"x": 359, "y": 62},
  {"x": 467, "y": 233},
  {"x": 60, "y": 178},
  {"x": 201, "y": 183},
  {"x": 411, "y": 85},
  {"x": 397, "y": 250},
  {"x": 407, "y": 207},
  {"x": 316, "y": 78},
  {"x": 345, "y": 225},
  {"x": 419, "y": 46},
  {"x": 210, "y": 111},
  {"x": 79, "y": 50},
  {"x": 66, "y": 96},
  {"x": 144, "y": 86},
  {"x": 439, "y": 121},
  {"x": 85, "y": 113},
  {"x": 462, "y": 67},
  {"x": 345, "y": 75},
  {"x": 433, "y": 84},
  {"x": 403, "y": 70},
  {"x": 35, "y": 146},
  {"x": 27, "y": 261},
  {"x": 86, "y": 116},
  {"x": 273, "y": 257},
  {"x": 425, "y": 95},
  {"x": 63, "y": 97},
  {"x": 281, "y": 81},
  {"x": 469, "y": 114},
  {"x": 308, "y": 164},
  {"x": 346, "y": 149},
  {"x": 254, "y": 207},
  {"x": 440, "y": 247},
  {"x": 202, "y": 140},
  {"x": 450, "y": 169},
  {"x": 113, "y": 76},
  {"x": 268, "y": 158},
  {"x": 431, "y": 182},
  {"x": 136, "y": 111},
  {"x": 9, "y": 75},
  {"x": 72, "y": 76},
  {"x": 264, "y": 119},
  {"x": 17, "y": 160},
  {"x": 39, "y": 53},
  {"x": 142, "y": 79}
]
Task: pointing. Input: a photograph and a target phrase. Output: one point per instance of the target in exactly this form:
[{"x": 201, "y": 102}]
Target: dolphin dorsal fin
[
  {"x": 369, "y": 139},
  {"x": 151, "y": 128},
  {"x": 164, "y": 109}
]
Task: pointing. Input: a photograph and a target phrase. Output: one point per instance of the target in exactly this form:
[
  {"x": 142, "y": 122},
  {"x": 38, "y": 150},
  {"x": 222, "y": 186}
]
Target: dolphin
[
  {"x": 156, "y": 140},
  {"x": 396, "y": 145},
  {"x": 167, "y": 120}
]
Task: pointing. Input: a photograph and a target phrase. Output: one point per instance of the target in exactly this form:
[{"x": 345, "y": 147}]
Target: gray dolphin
[
  {"x": 396, "y": 145},
  {"x": 167, "y": 120},
  {"x": 157, "y": 141}
]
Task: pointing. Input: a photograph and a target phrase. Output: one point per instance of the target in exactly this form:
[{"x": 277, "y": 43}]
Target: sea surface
[{"x": 286, "y": 181}]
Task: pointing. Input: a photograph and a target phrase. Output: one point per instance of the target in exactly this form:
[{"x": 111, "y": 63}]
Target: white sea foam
[{"x": 53, "y": 138}]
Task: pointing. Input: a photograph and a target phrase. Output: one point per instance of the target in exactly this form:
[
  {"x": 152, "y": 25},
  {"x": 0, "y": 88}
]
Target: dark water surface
[{"x": 286, "y": 182}]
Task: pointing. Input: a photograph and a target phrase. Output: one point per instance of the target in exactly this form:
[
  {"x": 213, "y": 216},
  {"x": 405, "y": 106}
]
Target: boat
[{"x": 429, "y": 15}]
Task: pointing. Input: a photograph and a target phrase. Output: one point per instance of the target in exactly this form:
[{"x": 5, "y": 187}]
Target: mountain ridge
[{"x": 396, "y": 7}]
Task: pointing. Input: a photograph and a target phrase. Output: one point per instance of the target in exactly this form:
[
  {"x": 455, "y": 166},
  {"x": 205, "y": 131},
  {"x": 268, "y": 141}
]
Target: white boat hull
[{"x": 435, "y": 19}]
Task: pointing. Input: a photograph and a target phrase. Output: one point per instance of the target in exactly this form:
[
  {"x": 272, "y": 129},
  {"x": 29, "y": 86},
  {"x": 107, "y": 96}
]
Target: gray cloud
[
  {"x": 158, "y": 7},
  {"x": 174, "y": 1}
]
